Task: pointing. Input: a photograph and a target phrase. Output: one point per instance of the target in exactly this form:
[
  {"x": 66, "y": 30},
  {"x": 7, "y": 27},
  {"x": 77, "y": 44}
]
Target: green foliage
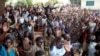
[
  {"x": 22, "y": 2},
  {"x": 19, "y": 3},
  {"x": 29, "y": 3}
]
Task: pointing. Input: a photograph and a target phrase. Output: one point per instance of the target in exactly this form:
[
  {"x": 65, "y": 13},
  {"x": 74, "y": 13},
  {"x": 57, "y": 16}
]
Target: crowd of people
[{"x": 65, "y": 31}]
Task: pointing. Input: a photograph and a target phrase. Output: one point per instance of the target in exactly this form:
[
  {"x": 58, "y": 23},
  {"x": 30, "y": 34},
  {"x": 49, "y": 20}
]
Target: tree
[
  {"x": 2, "y": 5},
  {"x": 29, "y": 3}
]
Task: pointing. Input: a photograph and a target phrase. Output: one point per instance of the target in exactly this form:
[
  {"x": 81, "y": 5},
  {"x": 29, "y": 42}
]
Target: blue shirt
[{"x": 3, "y": 51}]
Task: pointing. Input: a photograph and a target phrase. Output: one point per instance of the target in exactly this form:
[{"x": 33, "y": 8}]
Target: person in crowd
[
  {"x": 26, "y": 48},
  {"x": 6, "y": 43},
  {"x": 91, "y": 47},
  {"x": 84, "y": 39},
  {"x": 39, "y": 44},
  {"x": 60, "y": 48},
  {"x": 48, "y": 38}
]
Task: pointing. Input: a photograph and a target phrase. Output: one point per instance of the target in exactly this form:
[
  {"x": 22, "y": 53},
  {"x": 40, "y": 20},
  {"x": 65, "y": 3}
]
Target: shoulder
[
  {"x": 2, "y": 47},
  {"x": 3, "y": 51},
  {"x": 12, "y": 50},
  {"x": 52, "y": 48}
]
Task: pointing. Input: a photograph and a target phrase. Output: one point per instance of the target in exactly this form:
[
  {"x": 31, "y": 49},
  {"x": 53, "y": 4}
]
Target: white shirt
[
  {"x": 53, "y": 23},
  {"x": 34, "y": 18},
  {"x": 29, "y": 18},
  {"x": 17, "y": 13},
  {"x": 56, "y": 23},
  {"x": 92, "y": 26},
  {"x": 57, "y": 52},
  {"x": 44, "y": 21},
  {"x": 22, "y": 20},
  {"x": 30, "y": 28},
  {"x": 92, "y": 49},
  {"x": 26, "y": 16},
  {"x": 61, "y": 21},
  {"x": 7, "y": 15}
]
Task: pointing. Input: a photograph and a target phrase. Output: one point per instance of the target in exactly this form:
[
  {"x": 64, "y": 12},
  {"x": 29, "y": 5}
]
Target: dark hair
[
  {"x": 55, "y": 41},
  {"x": 6, "y": 38},
  {"x": 26, "y": 34},
  {"x": 39, "y": 53},
  {"x": 58, "y": 39},
  {"x": 38, "y": 39}
]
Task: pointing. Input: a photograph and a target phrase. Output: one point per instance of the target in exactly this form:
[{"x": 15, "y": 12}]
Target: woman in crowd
[
  {"x": 39, "y": 44},
  {"x": 6, "y": 43},
  {"x": 26, "y": 48}
]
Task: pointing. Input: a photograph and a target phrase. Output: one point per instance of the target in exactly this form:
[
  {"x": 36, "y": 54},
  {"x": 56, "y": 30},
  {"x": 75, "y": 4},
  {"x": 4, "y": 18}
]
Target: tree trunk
[{"x": 2, "y": 5}]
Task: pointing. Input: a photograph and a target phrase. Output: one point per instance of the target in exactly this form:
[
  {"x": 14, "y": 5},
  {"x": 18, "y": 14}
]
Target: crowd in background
[{"x": 65, "y": 31}]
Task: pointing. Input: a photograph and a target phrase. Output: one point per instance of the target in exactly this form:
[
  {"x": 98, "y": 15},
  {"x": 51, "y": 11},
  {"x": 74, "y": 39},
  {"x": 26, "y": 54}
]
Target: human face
[
  {"x": 40, "y": 42},
  {"x": 26, "y": 41},
  {"x": 58, "y": 33},
  {"x": 60, "y": 44},
  {"x": 8, "y": 43}
]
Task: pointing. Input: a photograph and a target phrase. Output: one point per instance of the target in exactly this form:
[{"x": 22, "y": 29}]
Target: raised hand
[{"x": 67, "y": 46}]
